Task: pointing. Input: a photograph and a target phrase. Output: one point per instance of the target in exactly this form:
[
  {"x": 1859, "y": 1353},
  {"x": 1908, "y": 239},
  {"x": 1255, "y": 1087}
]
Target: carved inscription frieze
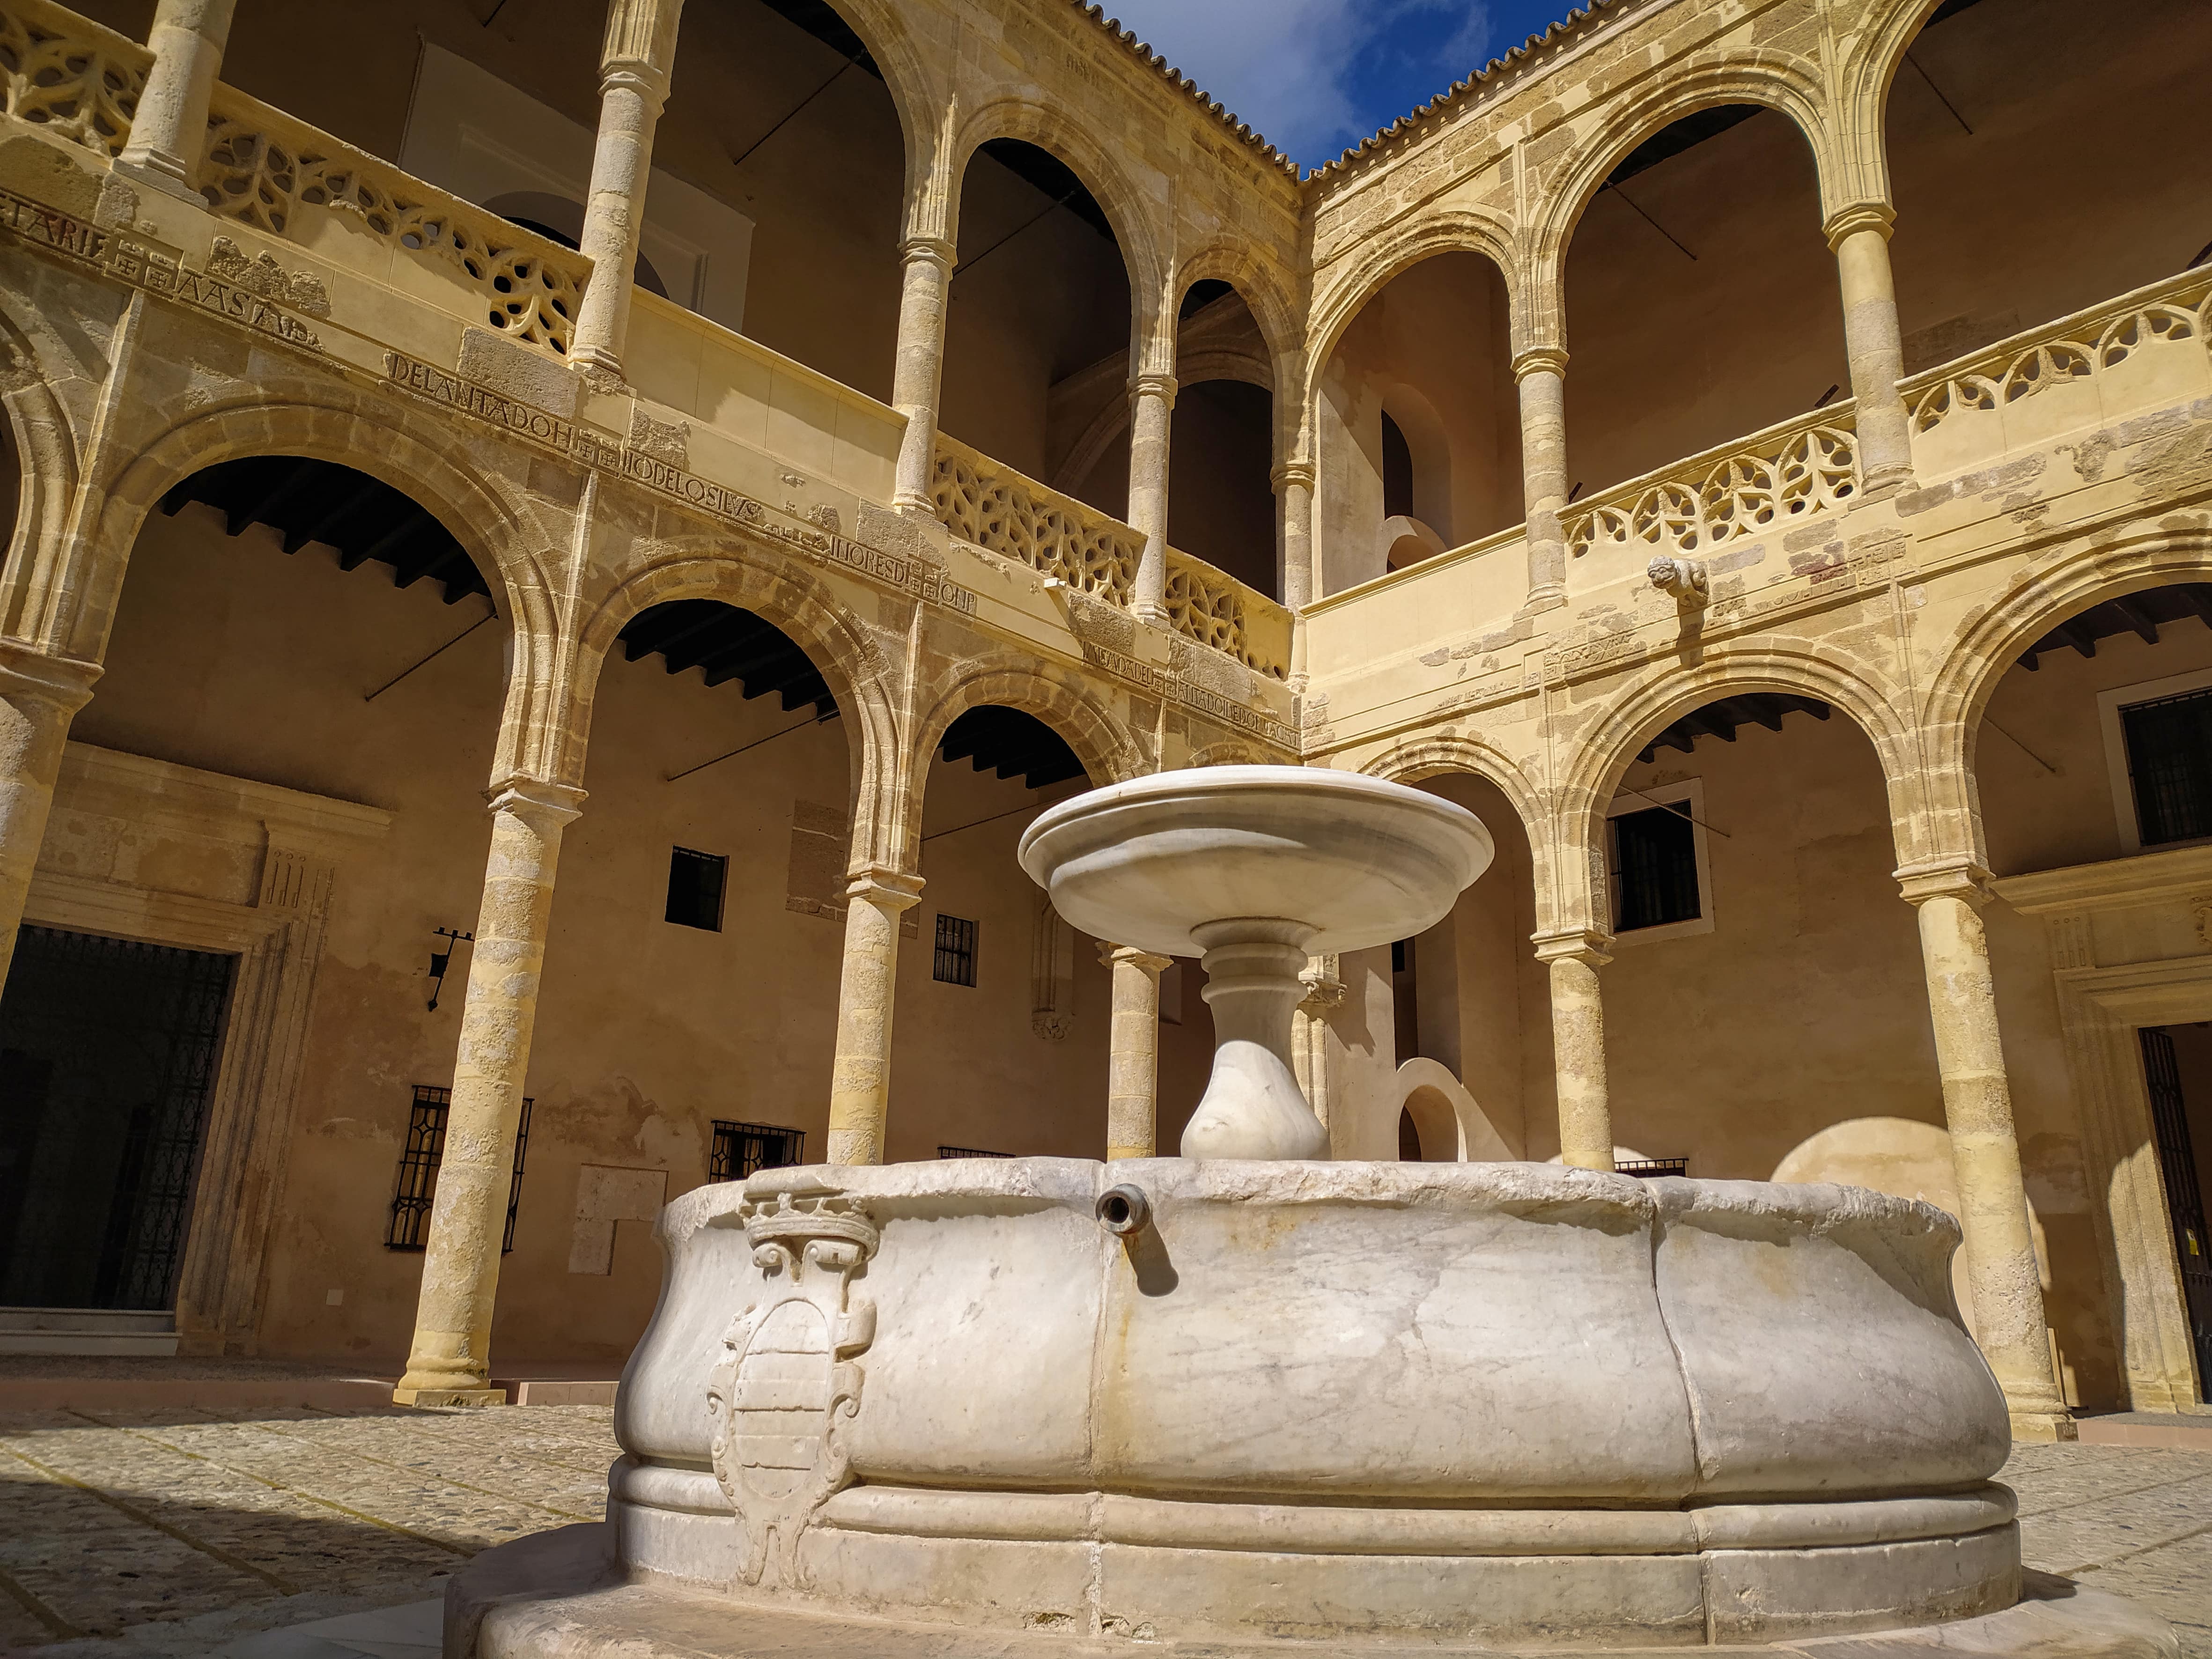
[
  {"x": 160, "y": 270},
  {"x": 605, "y": 451}
]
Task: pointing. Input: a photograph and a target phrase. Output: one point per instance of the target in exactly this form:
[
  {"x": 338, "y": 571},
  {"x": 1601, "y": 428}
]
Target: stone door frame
[{"x": 277, "y": 935}]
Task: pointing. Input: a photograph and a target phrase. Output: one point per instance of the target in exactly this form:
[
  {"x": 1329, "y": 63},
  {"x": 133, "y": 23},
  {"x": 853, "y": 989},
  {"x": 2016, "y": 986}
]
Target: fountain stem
[{"x": 1253, "y": 1107}]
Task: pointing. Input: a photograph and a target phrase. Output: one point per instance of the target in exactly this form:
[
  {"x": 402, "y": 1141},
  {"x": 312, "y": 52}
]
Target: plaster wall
[{"x": 646, "y": 1031}]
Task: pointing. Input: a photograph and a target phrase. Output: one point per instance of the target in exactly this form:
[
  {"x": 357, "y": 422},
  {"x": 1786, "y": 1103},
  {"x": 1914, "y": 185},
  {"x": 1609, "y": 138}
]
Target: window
[
  {"x": 968, "y": 1151},
  {"x": 1650, "y": 1169},
  {"x": 695, "y": 881},
  {"x": 742, "y": 1148},
  {"x": 1660, "y": 884},
  {"x": 956, "y": 951},
  {"x": 417, "y": 1184},
  {"x": 2158, "y": 744}
]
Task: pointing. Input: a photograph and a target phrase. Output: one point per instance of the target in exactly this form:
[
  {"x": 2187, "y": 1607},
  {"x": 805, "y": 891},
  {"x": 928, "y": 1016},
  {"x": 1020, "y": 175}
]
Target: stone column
[
  {"x": 1132, "y": 1066},
  {"x": 449, "y": 1362},
  {"x": 1859, "y": 238},
  {"x": 2005, "y": 1284},
  {"x": 1309, "y": 1032},
  {"x": 918, "y": 376},
  {"x": 1579, "y": 1046},
  {"x": 634, "y": 70},
  {"x": 1541, "y": 372},
  {"x": 1152, "y": 408},
  {"x": 1294, "y": 492},
  {"x": 860, "y": 1077},
  {"x": 170, "y": 126},
  {"x": 39, "y": 696}
]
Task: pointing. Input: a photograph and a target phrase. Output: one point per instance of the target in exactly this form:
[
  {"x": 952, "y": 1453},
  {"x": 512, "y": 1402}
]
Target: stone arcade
[{"x": 1756, "y": 455}]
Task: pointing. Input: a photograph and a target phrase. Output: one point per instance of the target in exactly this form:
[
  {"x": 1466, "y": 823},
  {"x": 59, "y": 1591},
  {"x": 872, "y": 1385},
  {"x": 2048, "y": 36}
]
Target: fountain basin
[{"x": 1498, "y": 1403}]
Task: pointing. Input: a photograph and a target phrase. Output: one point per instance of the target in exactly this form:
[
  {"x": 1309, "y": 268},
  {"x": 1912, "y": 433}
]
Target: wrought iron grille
[
  {"x": 416, "y": 1188},
  {"x": 2185, "y": 1195},
  {"x": 969, "y": 1152},
  {"x": 108, "y": 1055},
  {"x": 2169, "y": 744},
  {"x": 742, "y": 1148},
  {"x": 1650, "y": 1169},
  {"x": 956, "y": 951},
  {"x": 1656, "y": 867}
]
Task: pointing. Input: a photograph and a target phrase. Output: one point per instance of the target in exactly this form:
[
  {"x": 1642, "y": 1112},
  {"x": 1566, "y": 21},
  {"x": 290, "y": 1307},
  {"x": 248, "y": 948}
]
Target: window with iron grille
[
  {"x": 956, "y": 951},
  {"x": 742, "y": 1148},
  {"x": 1650, "y": 1169},
  {"x": 1655, "y": 867},
  {"x": 416, "y": 1188},
  {"x": 969, "y": 1152},
  {"x": 695, "y": 881},
  {"x": 2169, "y": 744}
]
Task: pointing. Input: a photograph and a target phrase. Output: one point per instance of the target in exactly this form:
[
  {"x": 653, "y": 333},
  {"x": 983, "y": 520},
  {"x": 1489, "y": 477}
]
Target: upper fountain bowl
[{"x": 1359, "y": 861}]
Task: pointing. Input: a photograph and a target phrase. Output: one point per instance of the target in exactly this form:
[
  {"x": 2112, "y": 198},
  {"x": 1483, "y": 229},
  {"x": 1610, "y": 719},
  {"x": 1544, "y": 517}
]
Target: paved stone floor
[{"x": 182, "y": 1533}]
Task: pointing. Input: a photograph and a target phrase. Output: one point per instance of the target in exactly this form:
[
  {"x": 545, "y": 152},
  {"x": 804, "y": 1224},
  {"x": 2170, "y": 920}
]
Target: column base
[
  {"x": 471, "y": 1399},
  {"x": 1156, "y": 615},
  {"x": 2045, "y": 1428},
  {"x": 914, "y": 507},
  {"x": 1548, "y": 597},
  {"x": 156, "y": 172}
]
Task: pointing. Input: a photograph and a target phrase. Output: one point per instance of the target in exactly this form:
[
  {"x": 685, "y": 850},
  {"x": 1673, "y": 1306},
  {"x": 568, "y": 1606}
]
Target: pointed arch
[
  {"x": 1109, "y": 752},
  {"x": 494, "y": 522},
  {"x": 1458, "y": 230},
  {"x": 44, "y": 445},
  {"x": 1774, "y": 82},
  {"x": 802, "y": 606}
]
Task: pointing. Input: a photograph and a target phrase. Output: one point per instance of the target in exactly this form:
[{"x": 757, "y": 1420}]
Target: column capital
[
  {"x": 1153, "y": 384},
  {"x": 543, "y": 805},
  {"x": 648, "y": 81},
  {"x": 1956, "y": 877},
  {"x": 65, "y": 683},
  {"x": 1587, "y": 945},
  {"x": 894, "y": 890},
  {"x": 1539, "y": 360},
  {"x": 937, "y": 251},
  {"x": 1847, "y": 222},
  {"x": 1301, "y": 472},
  {"x": 1114, "y": 956}
]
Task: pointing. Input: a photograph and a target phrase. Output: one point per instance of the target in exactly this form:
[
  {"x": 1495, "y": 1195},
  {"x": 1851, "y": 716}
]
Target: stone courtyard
[{"x": 184, "y": 1532}]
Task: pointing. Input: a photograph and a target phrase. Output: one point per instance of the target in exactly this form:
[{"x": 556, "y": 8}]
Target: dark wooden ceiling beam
[{"x": 2145, "y": 625}]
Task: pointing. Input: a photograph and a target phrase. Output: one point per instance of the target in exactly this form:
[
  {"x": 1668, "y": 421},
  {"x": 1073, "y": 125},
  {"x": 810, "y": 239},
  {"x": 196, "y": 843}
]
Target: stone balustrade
[
  {"x": 998, "y": 510},
  {"x": 1216, "y": 610},
  {"x": 70, "y": 75},
  {"x": 2142, "y": 351},
  {"x": 1802, "y": 466},
  {"x": 262, "y": 168}
]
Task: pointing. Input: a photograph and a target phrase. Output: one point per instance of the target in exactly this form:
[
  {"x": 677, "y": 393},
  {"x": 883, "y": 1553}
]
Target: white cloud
[{"x": 1285, "y": 65}]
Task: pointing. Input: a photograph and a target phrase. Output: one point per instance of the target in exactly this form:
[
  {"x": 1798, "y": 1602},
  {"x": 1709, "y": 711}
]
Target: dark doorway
[
  {"x": 2174, "y": 1059},
  {"x": 107, "y": 1061}
]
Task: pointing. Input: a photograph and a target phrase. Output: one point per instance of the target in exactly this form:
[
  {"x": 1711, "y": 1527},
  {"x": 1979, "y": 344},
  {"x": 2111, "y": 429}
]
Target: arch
[
  {"x": 498, "y": 530},
  {"x": 1397, "y": 251},
  {"x": 1126, "y": 209},
  {"x": 1967, "y": 675},
  {"x": 1409, "y": 409},
  {"x": 39, "y": 431},
  {"x": 793, "y": 600},
  {"x": 1445, "y": 1114},
  {"x": 1228, "y": 259},
  {"x": 1771, "y": 82},
  {"x": 1605, "y": 750},
  {"x": 1412, "y": 762},
  {"x": 1111, "y": 421},
  {"x": 1108, "y": 753},
  {"x": 1870, "y": 69}
]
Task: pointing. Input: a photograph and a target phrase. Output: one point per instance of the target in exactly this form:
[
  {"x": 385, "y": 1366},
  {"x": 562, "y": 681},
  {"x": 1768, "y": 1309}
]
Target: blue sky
[{"x": 1318, "y": 76}]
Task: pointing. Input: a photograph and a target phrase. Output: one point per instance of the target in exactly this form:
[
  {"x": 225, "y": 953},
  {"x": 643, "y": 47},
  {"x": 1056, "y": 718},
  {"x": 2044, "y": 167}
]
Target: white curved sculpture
[{"x": 1253, "y": 868}]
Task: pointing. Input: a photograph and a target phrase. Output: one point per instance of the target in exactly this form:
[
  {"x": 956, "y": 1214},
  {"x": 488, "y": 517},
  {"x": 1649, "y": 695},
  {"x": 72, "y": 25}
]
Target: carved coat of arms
[{"x": 790, "y": 1379}]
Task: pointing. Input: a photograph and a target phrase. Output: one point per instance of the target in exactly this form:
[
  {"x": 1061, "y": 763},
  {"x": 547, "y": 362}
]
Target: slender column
[
  {"x": 171, "y": 121},
  {"x": 1309, "y": 1030},
  {"x": 449, "y": 1362},
  {"x": 1294, "y": 490},
  {"x": 1541, "y": 372},
  {"x": 1859, "y": 238},
  {"x": 860, "y": 1077},
  {"x": 39, "y": 696},
  {"x": 633, "y": 69},
  {"x": 1132, "y": 1066},
  {"x": 918, "y": 377},
  {"x": 2003, "y": 1280},
  {"x": 1579, "y": 1046},
  {"x": 1152, "y": 408}
]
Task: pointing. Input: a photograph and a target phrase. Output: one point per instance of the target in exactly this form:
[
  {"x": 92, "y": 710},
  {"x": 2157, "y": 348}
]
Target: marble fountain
[{"x": 1250, "y": 1398}]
